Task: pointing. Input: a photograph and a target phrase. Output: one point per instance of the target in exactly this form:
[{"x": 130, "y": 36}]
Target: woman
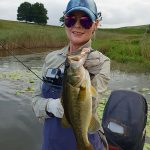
[{"x": 81, "y": 20}]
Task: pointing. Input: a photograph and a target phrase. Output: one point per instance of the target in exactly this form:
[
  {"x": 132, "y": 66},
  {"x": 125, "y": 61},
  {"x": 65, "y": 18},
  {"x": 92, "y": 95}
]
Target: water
[
  {"x": 19, "y": 128},
  {"x": 131, "y": 81}
]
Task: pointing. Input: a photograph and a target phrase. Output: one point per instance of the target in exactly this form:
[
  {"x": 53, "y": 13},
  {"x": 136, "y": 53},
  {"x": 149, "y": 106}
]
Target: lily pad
[{"x": 144, "y": 90}]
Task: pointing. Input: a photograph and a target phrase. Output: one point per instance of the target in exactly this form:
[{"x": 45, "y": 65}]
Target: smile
[{"x": 77, "y": 33}]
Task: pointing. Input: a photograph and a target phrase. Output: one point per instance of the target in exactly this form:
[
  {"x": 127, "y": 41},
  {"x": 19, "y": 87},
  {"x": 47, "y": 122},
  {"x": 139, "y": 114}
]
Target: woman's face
[{"x": 77, "y": 34}]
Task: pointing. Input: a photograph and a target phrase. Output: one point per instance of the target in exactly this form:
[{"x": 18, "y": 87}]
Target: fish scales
[{"x": 77, "y": 101}]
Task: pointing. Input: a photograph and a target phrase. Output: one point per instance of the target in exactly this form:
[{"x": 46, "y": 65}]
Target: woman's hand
[
  {"x": 55, "y": 107},
  {"x": 92, "y": 60}
]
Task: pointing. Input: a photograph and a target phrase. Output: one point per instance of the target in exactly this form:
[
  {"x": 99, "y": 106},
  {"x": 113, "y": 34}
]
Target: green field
[{"x": 128, "y": 46}]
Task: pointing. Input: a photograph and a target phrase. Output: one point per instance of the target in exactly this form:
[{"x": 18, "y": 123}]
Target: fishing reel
[{"x": 54, "y": 76}]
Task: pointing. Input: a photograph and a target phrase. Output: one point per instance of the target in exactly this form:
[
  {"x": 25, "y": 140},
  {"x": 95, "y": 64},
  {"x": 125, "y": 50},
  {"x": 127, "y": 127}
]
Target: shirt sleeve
[
  {"x": 100, "y": 75},
  {"x": 38, "y": 102}
]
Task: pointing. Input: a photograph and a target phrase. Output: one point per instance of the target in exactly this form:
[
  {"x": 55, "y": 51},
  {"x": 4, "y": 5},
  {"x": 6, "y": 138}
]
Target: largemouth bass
[{"x": 77, "y": 100}]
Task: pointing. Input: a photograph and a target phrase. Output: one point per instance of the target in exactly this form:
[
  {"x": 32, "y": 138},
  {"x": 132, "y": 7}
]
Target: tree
[
  {"x": 24, "y": 12},
  {"x": 32, "y": 13},
  {"x": 39, "y": 13},
  {"x": 61, "y": 19}
]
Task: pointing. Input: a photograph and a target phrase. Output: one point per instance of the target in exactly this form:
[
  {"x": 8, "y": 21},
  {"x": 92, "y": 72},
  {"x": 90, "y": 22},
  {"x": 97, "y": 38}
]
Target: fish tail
[{"x": 89, "y": 147}]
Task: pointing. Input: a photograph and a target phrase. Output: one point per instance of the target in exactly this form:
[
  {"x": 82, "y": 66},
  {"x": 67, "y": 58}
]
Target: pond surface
[{"x": 19, "y": 128}]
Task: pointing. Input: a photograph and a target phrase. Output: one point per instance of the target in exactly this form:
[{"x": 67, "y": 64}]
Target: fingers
[
  {"x": 85, "y": 51},
  {"x": 60, "y": 114},
  {"x": 60, "y": 110},
  {"x": 55, "y": 107},
  {"x": 91, "y": 62}
]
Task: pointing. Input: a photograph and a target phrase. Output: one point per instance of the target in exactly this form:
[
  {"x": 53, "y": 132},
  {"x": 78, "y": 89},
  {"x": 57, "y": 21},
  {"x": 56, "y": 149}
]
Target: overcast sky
[{"x": 116, "y": 13}]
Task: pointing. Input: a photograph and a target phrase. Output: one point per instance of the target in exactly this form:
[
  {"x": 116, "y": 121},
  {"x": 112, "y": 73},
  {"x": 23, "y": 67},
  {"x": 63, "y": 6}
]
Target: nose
[{"x": 77, "y": 24}]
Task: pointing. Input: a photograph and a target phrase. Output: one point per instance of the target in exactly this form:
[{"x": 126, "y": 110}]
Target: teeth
[{"x": 77, "y": 33}]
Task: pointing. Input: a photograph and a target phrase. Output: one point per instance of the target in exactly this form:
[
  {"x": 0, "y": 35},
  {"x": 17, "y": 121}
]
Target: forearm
[
  {"x": 39, "y": 103},
  {"x": 39, "y": 106},
  {"x": 100, "y": 82}
]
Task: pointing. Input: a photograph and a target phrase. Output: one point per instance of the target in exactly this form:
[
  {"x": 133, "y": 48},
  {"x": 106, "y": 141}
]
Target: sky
[{"x": 115, "y": 13}]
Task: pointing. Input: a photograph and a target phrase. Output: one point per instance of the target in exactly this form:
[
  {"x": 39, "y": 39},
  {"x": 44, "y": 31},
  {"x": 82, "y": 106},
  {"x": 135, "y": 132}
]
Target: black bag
[{"x": 124, "y": 120}]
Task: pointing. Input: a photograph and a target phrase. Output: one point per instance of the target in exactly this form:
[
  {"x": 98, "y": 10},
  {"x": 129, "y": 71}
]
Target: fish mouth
[
  {"x": 78, "y": 57},
  {"x": 74, "y": 57}
]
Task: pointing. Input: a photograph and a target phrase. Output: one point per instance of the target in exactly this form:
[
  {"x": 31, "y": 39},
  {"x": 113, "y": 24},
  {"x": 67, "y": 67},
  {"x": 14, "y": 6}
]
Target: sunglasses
[{"x": 85, "y": 22}]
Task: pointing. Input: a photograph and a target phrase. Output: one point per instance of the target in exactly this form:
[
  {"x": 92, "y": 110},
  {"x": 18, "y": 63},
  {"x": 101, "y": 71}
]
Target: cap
[{"x": 87, "y": 6}]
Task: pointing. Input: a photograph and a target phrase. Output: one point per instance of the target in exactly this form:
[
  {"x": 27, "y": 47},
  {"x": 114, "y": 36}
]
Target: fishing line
[{"x": 11, "y": 53}]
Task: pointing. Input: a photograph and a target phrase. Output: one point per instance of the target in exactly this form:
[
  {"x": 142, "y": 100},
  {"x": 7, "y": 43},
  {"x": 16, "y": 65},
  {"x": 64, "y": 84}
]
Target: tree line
[{"x": 32, "y": 13}]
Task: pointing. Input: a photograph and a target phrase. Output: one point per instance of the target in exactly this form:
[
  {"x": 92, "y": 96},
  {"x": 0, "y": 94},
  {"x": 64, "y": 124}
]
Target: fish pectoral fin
[
  {"x": 83, "y": 85},
  {"x": 82, "y": 92},
  {"x": 94, "y": 124},
  {"x": 93, "y": 91},
  {"x": 64, "y": 122}
]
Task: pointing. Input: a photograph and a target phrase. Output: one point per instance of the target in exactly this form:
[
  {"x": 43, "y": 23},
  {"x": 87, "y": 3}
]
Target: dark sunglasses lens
[
  {"x": 70, "y": 21},
  {"x": 86, "y": 22}
]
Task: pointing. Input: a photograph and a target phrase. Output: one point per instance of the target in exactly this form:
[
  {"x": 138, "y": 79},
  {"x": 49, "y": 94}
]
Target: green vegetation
[
  {"x": 17, "y": 35},
  {"x": 129, "y": 46}
]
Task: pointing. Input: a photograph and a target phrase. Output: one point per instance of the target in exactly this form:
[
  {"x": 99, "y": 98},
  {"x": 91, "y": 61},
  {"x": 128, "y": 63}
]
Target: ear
[{"x": 97, "y": 23}]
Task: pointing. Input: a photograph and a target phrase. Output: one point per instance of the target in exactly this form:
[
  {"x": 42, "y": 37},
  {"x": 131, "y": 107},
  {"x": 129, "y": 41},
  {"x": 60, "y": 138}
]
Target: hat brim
[{"x": 85, "y": 10}]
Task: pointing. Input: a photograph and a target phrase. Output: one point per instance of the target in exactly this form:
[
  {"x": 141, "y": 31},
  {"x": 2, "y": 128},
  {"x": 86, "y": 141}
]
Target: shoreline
[
  {"x": 130, "y": 45},
  {"x": 130, "y": 67}
]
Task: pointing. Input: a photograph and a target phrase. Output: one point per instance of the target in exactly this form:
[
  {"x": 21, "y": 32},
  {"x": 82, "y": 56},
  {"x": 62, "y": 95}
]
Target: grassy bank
[
  {"x": 17, "y": 35},
  {"x": 130, "y": 45}
]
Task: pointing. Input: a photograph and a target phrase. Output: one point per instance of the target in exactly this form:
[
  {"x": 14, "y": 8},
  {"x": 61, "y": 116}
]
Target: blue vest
[{"x": 55, "y": 137}]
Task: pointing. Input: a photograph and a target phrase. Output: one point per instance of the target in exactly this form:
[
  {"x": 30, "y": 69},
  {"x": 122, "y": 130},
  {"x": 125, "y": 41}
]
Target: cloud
[
  {"x": 116, "y": 13},
  {"x": 125, "y": 13}
]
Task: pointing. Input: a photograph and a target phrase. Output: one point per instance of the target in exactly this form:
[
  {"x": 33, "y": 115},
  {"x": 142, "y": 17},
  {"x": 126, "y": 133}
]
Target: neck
[{"x": 73, "y": 48}]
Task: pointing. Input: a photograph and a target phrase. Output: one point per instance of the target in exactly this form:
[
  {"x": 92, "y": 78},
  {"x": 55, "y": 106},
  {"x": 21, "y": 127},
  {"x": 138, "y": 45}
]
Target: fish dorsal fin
[{"x": 94, "y": 124}]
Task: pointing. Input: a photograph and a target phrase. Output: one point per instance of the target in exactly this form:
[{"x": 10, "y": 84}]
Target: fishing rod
[{"x": 11, "y": 53}]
